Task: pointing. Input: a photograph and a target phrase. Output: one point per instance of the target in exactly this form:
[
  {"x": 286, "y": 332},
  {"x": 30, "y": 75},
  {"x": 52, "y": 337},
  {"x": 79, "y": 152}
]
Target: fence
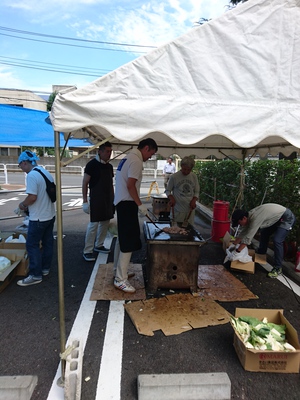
[{"x": 68, "y": 170}]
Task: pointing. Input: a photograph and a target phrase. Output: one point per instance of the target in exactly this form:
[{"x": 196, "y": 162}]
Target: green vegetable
[{"x": 261, "y": 335}]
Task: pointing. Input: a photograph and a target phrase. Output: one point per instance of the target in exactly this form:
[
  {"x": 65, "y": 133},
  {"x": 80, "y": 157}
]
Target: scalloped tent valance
[{"x": 230, "y": 87}]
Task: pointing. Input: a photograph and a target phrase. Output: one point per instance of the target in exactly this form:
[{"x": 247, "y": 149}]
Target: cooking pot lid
[{"x": 159, "y": 196}]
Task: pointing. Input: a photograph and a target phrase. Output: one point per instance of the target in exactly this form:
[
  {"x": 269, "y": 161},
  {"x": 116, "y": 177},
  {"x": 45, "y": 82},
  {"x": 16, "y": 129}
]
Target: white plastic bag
[
  {"x": 4, "y": 263},
  {"x": 11, "y": 239},
  {"x": 243, "y": 256}
]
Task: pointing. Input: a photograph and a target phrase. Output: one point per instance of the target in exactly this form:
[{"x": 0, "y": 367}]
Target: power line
[
  {"x": 3, "y": 28},
  {"x": 29, "y": 63},
  {"x": 73, "y": 45},
  {"x": 48, "y": 69}
]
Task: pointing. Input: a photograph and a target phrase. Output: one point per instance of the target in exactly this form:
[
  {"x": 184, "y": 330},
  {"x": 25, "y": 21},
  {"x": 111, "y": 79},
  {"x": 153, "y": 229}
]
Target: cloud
[
  {"x": 11, "y": 81},
  {"x": 149, "y": 23}
]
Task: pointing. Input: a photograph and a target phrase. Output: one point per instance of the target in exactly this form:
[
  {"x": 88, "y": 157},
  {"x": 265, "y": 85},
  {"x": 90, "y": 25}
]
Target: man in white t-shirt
[
  {"x": 41, "y": 212},
  {"x": 128, "y": 203}
]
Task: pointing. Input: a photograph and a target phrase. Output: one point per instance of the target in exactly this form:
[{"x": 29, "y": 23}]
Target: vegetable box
[{"x": 268, "y": 360}]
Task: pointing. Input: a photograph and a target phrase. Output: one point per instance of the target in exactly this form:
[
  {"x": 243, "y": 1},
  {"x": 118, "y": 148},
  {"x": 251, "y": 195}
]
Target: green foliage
[
  {"x": 51, "y": 100},
  {"x": 262, "y": 181}
]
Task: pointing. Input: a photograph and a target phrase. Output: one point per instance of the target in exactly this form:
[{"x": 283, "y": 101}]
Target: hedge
[{"x": 262, "y": 181}]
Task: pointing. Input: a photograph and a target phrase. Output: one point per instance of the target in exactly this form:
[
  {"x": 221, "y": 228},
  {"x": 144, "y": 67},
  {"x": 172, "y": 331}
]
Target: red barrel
[
  {"x": 220, "y": 222},
  {"x": 219, "y": 228},
  {"x": 221, "y": 210}
]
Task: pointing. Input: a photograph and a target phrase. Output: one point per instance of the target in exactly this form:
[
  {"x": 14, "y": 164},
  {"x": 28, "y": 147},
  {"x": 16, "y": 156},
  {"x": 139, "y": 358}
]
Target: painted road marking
[
  {"x": 109, "y": 382},
  {"x": 82, "y": 323}
]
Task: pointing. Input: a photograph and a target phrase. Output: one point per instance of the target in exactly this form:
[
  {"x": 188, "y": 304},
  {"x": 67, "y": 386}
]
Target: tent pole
[{"x": 61, "y": 380}]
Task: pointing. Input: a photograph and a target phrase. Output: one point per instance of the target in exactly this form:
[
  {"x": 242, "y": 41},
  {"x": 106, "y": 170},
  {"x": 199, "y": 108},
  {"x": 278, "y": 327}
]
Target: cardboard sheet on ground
[
  {"x": 175, "y": 314},
  {"x": 216, "y": 283},
  {"x": 104, "y": 289}
]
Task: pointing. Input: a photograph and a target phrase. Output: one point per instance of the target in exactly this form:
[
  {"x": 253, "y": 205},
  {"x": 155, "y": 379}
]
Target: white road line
[
  {"x": 284, "y": 279},
  {"x": 109, "y": 382},
  {"x": 290, "y": 284},
  {"x": 82, "y": 323}
]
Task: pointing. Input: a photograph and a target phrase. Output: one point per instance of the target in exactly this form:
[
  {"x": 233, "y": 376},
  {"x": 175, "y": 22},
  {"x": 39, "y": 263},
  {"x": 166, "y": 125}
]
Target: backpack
[{"x": 50, "y": 186}]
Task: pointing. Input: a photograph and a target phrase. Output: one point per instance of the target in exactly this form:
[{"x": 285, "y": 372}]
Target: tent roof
[
  {"x": 27, "y": 127},
  {"x": 229, "y": 86}
]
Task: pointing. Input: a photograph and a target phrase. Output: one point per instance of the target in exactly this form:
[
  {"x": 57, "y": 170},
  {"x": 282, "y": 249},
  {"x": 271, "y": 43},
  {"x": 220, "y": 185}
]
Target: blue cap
[{"x": 28, "y": 155}]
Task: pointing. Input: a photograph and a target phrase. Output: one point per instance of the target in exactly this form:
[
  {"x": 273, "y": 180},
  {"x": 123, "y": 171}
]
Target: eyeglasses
[{"x": 20, "y": 164}]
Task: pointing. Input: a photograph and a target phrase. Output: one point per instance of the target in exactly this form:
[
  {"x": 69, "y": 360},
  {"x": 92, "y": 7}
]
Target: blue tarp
[{"x": 26, "y": 127}]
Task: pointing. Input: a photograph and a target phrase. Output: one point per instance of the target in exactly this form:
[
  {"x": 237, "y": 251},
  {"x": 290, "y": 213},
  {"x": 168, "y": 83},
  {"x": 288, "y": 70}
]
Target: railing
[
  {"x": 149, "y": 174},
  {"x": 49, "y": 167},
  {"x": 3, "y": 173},
  {"x": 69, "y": 169}
]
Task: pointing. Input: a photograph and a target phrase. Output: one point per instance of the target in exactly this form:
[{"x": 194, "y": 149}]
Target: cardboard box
[
  {"x": 246, "y": 267},
  {"x": 15, "y": 256},
  {"x": 268, "y": 360},
  {"x": 11, "y": 245},
  {"x": 22, "y": 267}
]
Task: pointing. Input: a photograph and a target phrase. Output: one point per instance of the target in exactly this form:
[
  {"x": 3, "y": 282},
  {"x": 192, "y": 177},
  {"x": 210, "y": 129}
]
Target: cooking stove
[{"x": 172, "y": 259}]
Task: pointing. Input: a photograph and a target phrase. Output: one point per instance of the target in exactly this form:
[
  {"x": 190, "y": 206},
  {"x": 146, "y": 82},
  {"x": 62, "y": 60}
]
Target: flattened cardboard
[
  {"x": 104, "y": 289},
  {"x": 268, "y": 360},
  {"x": 227, "y": 240},
  {"x": 216, "y": 283},
  {"x": 175, "y": 314}
]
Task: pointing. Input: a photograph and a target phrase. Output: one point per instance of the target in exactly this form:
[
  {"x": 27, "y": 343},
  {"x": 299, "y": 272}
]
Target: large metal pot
[{"x": 160, "y": 203}]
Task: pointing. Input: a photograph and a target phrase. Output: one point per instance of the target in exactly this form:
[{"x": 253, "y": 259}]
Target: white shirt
[
  {"x": 131, "y": 166},
  {"x": 42, "y": 209},
  {"x": 169, "y": 168}
]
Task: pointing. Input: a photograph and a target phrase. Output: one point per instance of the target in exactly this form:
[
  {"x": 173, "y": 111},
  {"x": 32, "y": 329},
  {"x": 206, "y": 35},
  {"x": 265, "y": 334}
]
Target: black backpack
[{"x": 50, "y": 186}]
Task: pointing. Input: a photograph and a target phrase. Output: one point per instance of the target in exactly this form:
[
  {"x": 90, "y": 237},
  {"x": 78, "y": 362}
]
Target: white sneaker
[{"x": 124, "y": 285}]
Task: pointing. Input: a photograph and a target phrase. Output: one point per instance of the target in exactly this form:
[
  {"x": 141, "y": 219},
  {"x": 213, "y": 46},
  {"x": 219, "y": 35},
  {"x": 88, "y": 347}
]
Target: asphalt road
[{"x": 114, "y": 352}]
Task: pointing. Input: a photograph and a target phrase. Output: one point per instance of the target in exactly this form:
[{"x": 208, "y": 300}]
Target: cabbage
[{"x": 261, "y": 335}]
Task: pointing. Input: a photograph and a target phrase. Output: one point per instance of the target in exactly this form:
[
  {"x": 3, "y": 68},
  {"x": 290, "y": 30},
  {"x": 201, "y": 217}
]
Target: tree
[{"x": 51, "y": 100}]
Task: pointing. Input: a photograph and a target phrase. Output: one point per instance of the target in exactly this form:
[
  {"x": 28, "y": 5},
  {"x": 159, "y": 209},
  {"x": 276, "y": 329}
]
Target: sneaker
[
  {"x": 89, "y": 257},
  {"x": 102, "y": 249},
  {"x": 30, "y": 280},
  {"x": 124, "y": 285},
  {"x": 45, "y": 272},
  {"x": 275, "y": 273}
]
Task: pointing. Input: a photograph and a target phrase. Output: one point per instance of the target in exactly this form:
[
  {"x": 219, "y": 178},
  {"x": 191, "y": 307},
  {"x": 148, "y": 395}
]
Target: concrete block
[
  {"x": 203, "y": 386},
  {"x": 73, "y": 372},
  {"x": 17, "y": 387}
]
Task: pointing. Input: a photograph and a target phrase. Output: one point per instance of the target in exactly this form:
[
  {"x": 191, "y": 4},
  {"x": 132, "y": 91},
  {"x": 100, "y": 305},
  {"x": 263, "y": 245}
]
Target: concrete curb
[
  {"x": 17, "y": 387},
  {"x": 203, "y": 386}
]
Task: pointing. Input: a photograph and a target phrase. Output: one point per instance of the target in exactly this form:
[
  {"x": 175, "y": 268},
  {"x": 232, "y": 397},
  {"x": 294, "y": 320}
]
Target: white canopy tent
[
  {"x": 230, "y": 87},
  {"x": 232, "y": 84}
]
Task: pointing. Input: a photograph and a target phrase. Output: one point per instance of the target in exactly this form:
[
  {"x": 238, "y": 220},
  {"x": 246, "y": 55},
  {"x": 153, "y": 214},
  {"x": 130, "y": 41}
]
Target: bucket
[
  {"x": 221, "y": 210},
  {"x": 219, "y": 228},
  {"x": 160, "y": 203}
]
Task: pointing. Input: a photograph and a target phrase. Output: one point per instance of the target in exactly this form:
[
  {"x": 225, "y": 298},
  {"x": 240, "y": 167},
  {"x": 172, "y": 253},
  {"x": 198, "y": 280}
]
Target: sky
[{"x": 74, "y": 42}]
